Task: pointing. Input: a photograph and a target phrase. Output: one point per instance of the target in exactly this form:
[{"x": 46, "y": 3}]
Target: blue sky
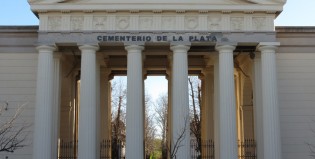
[{"x": 296, "y": 13}]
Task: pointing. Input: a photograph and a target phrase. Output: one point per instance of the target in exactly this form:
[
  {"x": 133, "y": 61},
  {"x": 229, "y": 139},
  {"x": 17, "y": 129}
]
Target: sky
[{"x": 295, "y": 13}]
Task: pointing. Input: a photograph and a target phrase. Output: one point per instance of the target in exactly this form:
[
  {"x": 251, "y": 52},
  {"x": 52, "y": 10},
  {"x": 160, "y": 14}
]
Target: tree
[
  {"x": 149, "y": 127},
  {"x": 12, "y": 134},
  {"x": 179, "y": 139},
  {"x": 161, "y": 106},
  {"x": 118, "y": 118},
  {"x": 119, "y": 98},
  {"x": 149, "y": 135},
  {"x": 195, "y": 123}
]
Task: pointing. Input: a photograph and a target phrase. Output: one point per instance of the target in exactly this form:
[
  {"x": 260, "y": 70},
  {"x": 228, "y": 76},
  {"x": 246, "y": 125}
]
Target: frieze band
[
  {"x": 50, "y": 38},
  {"x": 157, "y": 38}
]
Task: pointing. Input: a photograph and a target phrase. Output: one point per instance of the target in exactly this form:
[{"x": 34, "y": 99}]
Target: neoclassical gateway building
[{"x": 258, "y": 80}]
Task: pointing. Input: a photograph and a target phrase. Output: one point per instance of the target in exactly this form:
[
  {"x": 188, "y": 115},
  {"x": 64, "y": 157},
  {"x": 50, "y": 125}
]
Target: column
[
  {"x": 44, "y": 103},
  {"x": 207, "y": 124},
  {"x": 105, "y": 109},
  {"x": 227, "y": 112},
  {"x": 56, "y": 106},
  {"x": 271, "y": 123},
  {"x": 99, "y": 59},
  {"x": 88, "y": 135},
  {"x": 180, "y": 106},
  {"x": 207, "y": 107},
  {"x": 169, "y": 108},
  {"x": 134, "y": 112},
  {"x": 216, "y": 108},
  {"x": 258, "y": 118}
]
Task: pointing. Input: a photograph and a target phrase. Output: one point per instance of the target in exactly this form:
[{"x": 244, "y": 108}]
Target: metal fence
[
  {"x": 203, "y": 151},
  {"x": 67, "y": 149},
  {"x": 115, "y": 149},
  {"x": 108, "y": 149},
  {"x": 247, "y": 149}
]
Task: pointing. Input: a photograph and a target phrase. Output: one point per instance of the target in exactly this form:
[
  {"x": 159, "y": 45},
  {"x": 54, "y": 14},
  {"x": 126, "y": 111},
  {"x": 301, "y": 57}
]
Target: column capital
[
  {"x": 49, "y": 48},
  {"x": 180, "y": 48},
  {"x": 225, "y": 47},
  {"x": 264, "y": 46},
  {"x": 134, "y": 48},
  {"x": 89, "y": 47}
]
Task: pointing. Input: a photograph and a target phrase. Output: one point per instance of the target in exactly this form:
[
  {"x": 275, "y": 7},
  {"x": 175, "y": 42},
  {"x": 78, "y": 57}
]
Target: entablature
[{"x": 156, "y": 21}]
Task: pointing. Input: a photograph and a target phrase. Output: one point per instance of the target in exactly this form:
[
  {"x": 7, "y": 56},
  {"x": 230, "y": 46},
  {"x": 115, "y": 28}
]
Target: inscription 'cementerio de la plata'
[{"x": 156, "y": 38}]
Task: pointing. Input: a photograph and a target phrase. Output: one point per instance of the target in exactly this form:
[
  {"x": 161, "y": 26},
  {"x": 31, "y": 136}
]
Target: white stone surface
[
  {"x": 88, "y": 141},
  {"x": 180, "y": 104},
  {"x": 135, "y": 107},
  {"x": 271, "y": 123},
  {"x": 56, "y": 106},
  {"x": 150, "y": 5},
  {"x": 207, "y": 121},
  {"x": 44, "y": 103},
  {"x": 227, "y": 112},
  {"x": 258, "y": 107},
  {"x": 150, "y": 21},
  {"x": 216, "y": 107},
  {"x": 295, "y": 76}
]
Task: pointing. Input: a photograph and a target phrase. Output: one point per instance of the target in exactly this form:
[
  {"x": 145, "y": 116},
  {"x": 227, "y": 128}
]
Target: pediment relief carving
[{"x": 217, "y": 2}]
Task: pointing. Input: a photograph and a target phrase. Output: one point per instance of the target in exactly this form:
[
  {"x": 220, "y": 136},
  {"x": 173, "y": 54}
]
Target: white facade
[{"x": 268, "y": 97}]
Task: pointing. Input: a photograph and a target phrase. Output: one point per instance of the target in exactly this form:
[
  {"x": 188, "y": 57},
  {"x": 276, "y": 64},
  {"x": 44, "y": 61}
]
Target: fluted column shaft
[
  {"x": 207, "y": 119},
  {"x": 44, "y": 103},
  {"x": 258, "y": 110},
  {"x": 169, "y": 108},
  {"x": 135, "y": 111},
  {"x": 180, "y": 104},
  {"x": 105, "y": 105},
  {"x": 216, "y": 108},
  {"x": 271, "y": 123},
  {"x": 227, "y": 112},
  {"x": 88, "y": 135},
  {"x": 207, "y": 124},
  {"x": 56, "y": 106}
]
